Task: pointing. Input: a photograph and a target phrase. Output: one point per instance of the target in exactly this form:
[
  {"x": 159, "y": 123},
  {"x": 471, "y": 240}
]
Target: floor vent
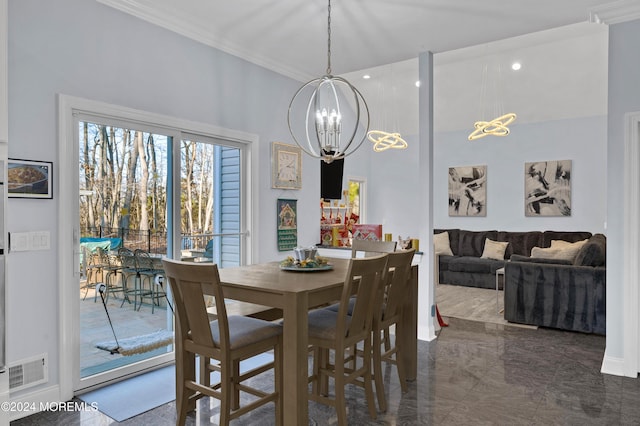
[{"x": 28, "y": 372}]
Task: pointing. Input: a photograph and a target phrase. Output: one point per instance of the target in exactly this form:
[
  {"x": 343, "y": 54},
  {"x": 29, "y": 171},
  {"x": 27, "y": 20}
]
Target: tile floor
[{"x": 475, "y": 373}]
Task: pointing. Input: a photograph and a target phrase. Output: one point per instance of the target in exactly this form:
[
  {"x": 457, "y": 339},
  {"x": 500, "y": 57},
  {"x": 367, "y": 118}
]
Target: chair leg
[
  {"x": 377, "y": 372},
  {"x": 225, "y": 392},
  {"x": 324, "y": 366},
  {"x": 368, "y": 382},
  {"x": 402, "y": 375},
  {"x": 341, "y": 406},
  {"x": 235, "y": 394},
  {"x": 315, "y": 373},
  {"x": 185, "y": 369},
  {"x": 387, "y": 339}
]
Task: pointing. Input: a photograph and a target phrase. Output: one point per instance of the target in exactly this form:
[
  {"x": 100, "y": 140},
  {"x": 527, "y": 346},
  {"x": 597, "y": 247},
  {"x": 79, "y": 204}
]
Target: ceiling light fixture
[
  {"x": 516, "y": 66},
  {"x": 324, "y": 120},
  {"x": 498, "y": 125},
  {"x": 383, "y": 140}
]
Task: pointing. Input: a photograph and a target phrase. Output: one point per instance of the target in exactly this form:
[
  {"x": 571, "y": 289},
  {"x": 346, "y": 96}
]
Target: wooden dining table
[{"x": 294, "y": 293}]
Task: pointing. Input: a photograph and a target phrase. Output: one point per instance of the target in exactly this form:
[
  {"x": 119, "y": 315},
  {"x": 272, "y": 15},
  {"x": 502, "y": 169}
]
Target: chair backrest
[
  {"x": 394, "y": 291},
  {"x": 366, "y": 275},
  {"x": 371, "y": 247},
  {"x": 143, "y": 259},
  {"x": 127, "y": 258},
  {"x": 189, "y": 282}
]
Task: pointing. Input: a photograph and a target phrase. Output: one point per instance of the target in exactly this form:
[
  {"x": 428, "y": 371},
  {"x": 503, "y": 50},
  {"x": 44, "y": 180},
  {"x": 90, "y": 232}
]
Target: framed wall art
[
  {"x": 29, "y": 179},
  {"x": 468, "y": 191},
  {"x": 286, "y": 166},
  {"x": 287, "y": 224},
  {"x": 547, "y": 188}
]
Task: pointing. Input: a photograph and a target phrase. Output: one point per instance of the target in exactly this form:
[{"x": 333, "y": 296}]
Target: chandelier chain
[{"x": 329, "y": 38}]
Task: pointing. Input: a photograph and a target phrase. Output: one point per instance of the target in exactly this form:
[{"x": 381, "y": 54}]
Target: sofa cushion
[
  {"x": 571, "y": 236},
  {"x": 471, "y": 243},
  {"x": 441, "y": 244},
  {"x": 520, "y": 242},
  {"x": 494, "y": 249},
  {"x": 593, "y": 253},
  {"x": 444, "y": 262},
  {"x": 474, "y": 265},
  {"x": 454, "y": 235},
  {"x": 520, "y": 258}
]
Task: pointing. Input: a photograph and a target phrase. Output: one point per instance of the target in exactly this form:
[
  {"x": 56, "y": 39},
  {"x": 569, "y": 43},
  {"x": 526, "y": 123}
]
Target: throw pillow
[
  {"x": 558, "y": 252},
  {"x": 441, "y": 244},
  {"x": 494, "y": 249},
  {"x": 569, "y": 250}
]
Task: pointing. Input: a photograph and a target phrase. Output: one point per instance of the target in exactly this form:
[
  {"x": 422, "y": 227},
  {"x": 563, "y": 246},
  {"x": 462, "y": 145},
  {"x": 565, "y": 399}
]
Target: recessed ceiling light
[
  {"x": 516, "y": 66},
  {"x": 418, "y": 83},
  {"x": 366, "y": 76}
]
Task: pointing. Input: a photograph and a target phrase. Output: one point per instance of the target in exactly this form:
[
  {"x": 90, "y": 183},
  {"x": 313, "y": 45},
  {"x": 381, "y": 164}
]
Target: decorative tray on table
[{"x": 308, "y": 265}]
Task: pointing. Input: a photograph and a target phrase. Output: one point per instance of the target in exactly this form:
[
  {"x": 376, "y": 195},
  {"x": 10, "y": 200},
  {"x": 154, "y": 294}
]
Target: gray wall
[
  {"x": 581, "y": 140},
  {"x": 84, "y": 49}
]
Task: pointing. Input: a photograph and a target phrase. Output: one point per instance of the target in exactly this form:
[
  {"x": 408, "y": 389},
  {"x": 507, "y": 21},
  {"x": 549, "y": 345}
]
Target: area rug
[{"x": 136, "y": 395}]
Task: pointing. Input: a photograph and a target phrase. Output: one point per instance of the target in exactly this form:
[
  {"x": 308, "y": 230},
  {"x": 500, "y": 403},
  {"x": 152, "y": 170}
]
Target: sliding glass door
[
  {"x": 151, "y": 191},
  {"x": 123, "y": 199}
]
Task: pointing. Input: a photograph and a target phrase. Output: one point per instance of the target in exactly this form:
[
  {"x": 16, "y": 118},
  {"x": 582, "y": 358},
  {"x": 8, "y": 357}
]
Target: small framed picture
[
  {"x": 29, "y": 179},
  {"x": 286, "y": 166}
]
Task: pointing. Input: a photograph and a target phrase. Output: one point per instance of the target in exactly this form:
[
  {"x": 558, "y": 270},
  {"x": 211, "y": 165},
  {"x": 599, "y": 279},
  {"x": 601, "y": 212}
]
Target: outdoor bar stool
[
  {"x": 127, "y": 271},
  {"x": 148, "y": 268}
]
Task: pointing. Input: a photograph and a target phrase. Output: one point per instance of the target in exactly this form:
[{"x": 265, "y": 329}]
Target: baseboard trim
[
  {"x": 34, "y": 402},
  {"x": 613, "y": 365}
]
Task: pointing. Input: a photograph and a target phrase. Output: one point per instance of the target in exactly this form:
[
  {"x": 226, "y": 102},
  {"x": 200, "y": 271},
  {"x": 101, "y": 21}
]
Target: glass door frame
[{"x": 69, "y": 110}]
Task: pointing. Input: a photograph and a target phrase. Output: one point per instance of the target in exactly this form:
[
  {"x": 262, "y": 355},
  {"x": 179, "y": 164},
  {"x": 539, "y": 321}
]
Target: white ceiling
[{"x": 290, "y": 37}]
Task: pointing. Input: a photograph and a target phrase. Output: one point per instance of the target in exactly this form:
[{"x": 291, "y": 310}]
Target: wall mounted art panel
[
  {"x": 547, "y": 188},
  {"x": 468, "y": 191}
]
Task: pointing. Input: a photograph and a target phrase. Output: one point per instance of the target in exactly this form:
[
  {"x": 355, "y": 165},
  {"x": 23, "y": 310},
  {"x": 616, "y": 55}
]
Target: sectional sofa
[{"x": 551, "y": 278}]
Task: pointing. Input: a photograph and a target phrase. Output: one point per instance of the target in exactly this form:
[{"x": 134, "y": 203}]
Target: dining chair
[
  {"x": 338, "y": 332},
  {"x": 220, "y": 345},
  {"x": 387, "y": 312},
  {"x": 372, "y": 247},
  {"x": 368, "y": 248}
]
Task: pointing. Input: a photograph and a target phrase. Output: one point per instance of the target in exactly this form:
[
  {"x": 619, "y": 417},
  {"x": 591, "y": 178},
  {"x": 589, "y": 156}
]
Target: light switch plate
[
  {"x": 40, "y": 240},
  {"x": 19, "y": 241}
]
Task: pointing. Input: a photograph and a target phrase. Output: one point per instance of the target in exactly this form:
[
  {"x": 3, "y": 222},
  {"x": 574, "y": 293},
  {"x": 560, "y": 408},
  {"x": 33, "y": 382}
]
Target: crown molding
[
  {"x": 615, "y": 12},
  {"x": 195, "y": 30}
]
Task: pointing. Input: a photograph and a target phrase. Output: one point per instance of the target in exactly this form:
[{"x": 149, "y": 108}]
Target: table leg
[{"x": 295, "y": 360}]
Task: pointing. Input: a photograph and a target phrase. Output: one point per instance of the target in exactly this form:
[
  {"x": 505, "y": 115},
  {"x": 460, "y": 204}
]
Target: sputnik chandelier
[
  {"x": 499, "y": 125},
  {"x": 324, "y": 122}
]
